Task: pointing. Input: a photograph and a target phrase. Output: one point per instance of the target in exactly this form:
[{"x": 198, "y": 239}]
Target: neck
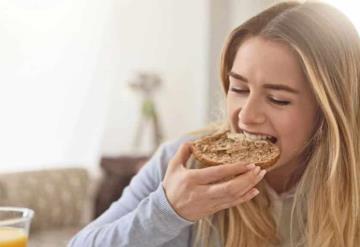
[{"x": 283, "y": 178}]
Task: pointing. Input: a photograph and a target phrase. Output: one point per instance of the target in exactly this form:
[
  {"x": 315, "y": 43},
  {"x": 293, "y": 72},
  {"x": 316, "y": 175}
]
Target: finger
[
  {"x": 237, "y": 186},
  {"x": 259, "y": 176},
  {"x": 215, "y": 173},
  {"x": 244, "y": 198},
  {"x": 182, "y": 154}
]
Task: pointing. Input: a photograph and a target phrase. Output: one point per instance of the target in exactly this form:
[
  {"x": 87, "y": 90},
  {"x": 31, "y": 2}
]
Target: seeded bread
[{"x": 227, "y": 148}]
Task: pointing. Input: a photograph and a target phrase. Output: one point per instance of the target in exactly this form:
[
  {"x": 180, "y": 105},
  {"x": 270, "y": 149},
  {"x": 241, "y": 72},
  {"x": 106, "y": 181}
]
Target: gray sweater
[{"x": 143, "y": 217}]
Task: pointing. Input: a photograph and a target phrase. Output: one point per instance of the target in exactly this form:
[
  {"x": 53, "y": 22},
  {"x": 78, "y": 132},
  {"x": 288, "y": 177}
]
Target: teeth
[{"x": 256, "y": 137}]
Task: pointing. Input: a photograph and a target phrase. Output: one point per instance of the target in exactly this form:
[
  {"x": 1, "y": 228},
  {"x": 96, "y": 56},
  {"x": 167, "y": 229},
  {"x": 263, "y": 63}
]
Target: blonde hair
[{"x": 326, "y": 207}]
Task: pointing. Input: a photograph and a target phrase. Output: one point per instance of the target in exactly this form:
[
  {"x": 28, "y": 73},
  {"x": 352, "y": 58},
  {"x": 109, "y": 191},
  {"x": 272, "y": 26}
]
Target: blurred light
[{"x": 349, "y": 8}]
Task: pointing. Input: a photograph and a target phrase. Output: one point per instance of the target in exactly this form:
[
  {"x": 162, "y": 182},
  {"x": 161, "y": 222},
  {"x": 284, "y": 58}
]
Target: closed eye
[
  {"x": 238, "y": 90},
  {"x": 279, "y": 102},
  {"x": 272, "y": 100}
]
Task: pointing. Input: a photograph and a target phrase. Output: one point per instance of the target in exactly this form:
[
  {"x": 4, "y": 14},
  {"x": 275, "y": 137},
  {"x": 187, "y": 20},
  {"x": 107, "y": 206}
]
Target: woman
[{"x": 291, "y": 72}]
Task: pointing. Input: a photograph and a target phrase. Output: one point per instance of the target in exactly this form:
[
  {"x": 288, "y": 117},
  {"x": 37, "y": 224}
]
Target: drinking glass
[{"x": 14, "y": 226}]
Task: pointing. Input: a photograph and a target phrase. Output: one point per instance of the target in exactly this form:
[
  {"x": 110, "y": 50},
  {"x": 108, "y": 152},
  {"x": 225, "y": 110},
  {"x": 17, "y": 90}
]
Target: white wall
[
  {"x": 219, "y": 25},
  {"x": 242, "y": 10},
  {"x": 64, "y": 62},
  {"x": 168, "y": 37},
  {"x": 56, "y": 70}
]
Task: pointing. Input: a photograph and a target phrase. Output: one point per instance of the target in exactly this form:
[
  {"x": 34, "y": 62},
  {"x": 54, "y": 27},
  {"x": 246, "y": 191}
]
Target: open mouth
[
  {"x": 273, "y": 139},
  {"x": 257, "y": 137}
]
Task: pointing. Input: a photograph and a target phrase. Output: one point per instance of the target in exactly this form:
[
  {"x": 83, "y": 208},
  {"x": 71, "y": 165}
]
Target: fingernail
[
  {"x": 257, "y": 169},
  {"x": 262, "y": 173},
  {"x": 251, "y": 166},
  {"x": 256, "y": 192}
]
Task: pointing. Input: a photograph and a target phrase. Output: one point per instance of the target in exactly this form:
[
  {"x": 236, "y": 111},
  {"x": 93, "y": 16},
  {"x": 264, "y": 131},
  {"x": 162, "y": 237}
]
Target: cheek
[{"x": 295, "y": 131}]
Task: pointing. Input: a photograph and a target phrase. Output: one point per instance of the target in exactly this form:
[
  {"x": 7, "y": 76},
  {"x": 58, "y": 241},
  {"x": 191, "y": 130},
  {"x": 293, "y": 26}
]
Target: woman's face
[{"x": 268, "y": 95}]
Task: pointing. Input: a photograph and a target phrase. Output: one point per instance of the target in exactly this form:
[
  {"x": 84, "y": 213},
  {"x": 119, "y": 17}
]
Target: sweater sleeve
[{"x": 143, "y": 215}]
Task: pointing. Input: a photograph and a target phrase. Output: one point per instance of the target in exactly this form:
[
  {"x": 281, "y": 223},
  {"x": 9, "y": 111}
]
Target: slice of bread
[{"x": 227, "y": 148}]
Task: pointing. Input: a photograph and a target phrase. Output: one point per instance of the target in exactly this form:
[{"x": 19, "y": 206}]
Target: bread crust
[{"x": 228, "y": 148}]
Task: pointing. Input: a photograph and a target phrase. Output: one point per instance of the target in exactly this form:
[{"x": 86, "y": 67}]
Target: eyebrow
[{"x": 267, "y": 85}]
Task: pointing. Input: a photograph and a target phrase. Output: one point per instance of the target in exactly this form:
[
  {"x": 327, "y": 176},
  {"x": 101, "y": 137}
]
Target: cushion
[{"x": 57, "y": 196}]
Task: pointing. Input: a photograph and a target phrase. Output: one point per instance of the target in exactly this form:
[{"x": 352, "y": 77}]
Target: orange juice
[{"x": 12, "y": 237}]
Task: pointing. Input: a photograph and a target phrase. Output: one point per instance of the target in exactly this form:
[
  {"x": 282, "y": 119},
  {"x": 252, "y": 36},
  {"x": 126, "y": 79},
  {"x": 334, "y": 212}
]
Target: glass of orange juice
[{"x": 14, "y": 226}]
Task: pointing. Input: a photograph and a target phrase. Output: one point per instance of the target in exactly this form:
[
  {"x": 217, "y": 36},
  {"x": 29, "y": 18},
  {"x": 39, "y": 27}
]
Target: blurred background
[{"x": 66, "y": 67}]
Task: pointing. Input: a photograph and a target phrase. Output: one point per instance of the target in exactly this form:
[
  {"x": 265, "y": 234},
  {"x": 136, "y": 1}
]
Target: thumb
[{"x": 182, "y": 155}]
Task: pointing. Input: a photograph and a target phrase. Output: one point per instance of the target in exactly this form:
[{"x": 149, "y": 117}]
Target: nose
[{"x": 251, "y": 113}]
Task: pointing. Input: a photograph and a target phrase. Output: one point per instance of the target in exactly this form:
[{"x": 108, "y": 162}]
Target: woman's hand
[{"x": 196, "y": 193}]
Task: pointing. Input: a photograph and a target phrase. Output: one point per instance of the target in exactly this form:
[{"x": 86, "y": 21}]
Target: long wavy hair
[{"x": 326, "y": 206}]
